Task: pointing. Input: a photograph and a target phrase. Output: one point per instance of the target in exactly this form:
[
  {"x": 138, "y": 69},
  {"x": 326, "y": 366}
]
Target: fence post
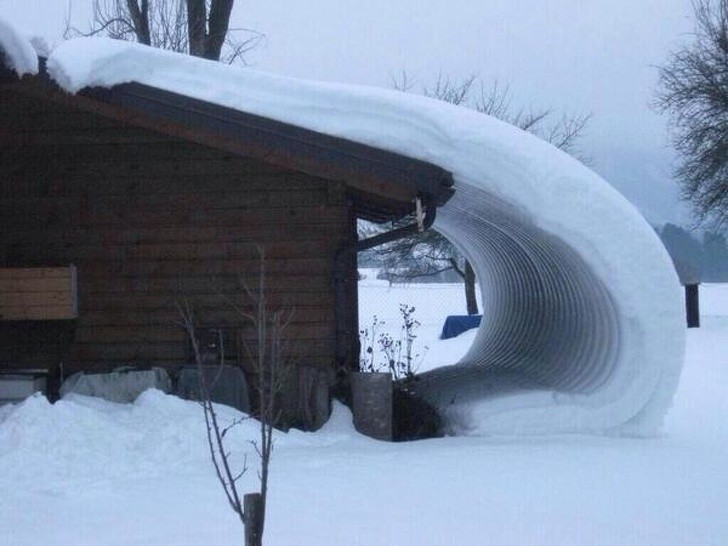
[{"x": 692, "y": 305}]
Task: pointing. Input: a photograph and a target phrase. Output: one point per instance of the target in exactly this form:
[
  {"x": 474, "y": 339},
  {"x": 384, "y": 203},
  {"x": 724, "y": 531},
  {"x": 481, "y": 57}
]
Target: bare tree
[
  {"x": 693, "y": 90},
  {"x": 197, "y": 27},
  {"x": 425, "y": 255},
  {"x": 216, "y": 433},
  {"x": 267, "y": 353},
  {"x": 496, "y": 99},
  {"x": 429, "y": 254}
]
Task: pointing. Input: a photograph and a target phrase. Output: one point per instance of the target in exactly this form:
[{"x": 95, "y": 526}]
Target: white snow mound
[
  {"x": 16, "y": 51},
  {"x": 583, "y": 326}
]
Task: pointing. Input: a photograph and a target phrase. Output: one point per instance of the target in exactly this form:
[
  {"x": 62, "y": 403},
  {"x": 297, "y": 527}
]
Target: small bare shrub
[
  {"x": 413, "y": 417},
  {"x": 268, "y": 355}
]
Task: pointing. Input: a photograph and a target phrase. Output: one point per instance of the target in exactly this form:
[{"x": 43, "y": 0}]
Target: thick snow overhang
[
  {"x": 17, "y": 54},
  {"x": 583, "y": 325}
]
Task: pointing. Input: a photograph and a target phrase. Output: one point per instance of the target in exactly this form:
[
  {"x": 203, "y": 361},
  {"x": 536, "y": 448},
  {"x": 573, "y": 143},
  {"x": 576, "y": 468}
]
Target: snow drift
[
  {"x": 583, "y": 326},
  {"x": 16, "y": 51}
]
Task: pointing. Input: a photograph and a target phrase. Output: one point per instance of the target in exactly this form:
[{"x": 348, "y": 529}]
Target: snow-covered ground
[{"x": 88, "y": 472}]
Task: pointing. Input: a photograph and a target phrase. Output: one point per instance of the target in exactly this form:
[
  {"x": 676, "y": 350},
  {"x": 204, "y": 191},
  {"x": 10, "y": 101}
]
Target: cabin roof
[{"x": 382, "y": 184}]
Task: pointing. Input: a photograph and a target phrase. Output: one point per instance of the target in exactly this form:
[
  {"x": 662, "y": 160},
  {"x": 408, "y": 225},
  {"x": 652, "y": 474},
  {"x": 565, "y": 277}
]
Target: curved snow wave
[
  {"x": 583, "y": 327},
  {"x": 550, "y": 324},
  {"x": 562, "y": 346},
  {"x": 547, "y": 316}
]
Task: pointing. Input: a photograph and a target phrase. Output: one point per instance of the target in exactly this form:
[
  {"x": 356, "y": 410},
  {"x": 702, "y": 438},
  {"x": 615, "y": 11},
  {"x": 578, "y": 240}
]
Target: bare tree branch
[
  {"x": 693, "y": 90},
  {"x": 215, "y": 434},
  {"x": 268, "y": 355}
]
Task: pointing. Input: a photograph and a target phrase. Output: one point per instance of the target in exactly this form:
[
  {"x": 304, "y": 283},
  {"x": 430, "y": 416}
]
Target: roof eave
[{"x": 382, "y": 182}]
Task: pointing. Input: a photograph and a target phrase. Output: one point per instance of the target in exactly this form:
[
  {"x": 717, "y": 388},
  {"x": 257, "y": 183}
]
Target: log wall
[{"x": 149, "y": 220}]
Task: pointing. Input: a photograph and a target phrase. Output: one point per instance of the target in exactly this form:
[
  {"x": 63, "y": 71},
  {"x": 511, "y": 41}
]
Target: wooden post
[
  {"x": 253, "y": 509},
  {"x": 692, "y": 305}
]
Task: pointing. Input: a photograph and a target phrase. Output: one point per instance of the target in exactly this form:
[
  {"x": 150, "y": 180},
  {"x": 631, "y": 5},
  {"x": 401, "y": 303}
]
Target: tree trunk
[
  {"x": 196, "y": 26},
  {"x": 253, "y": 505},
  {"x": 207, "y": 32},
  {"x": 140, "y": 20},
  {"x": 470, "y": 299},
  {"x": 218, "y": 22}
]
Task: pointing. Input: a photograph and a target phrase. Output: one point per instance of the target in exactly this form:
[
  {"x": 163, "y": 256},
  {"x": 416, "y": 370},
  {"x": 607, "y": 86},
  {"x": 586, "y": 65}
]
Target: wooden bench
[{"x": 38, "y": 293}]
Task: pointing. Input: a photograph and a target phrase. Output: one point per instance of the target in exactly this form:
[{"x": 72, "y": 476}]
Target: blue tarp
[{"x": 457, "y": 324}]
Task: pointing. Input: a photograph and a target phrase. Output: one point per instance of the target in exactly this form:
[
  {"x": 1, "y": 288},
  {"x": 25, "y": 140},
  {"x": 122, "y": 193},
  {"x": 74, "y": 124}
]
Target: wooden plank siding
[
  {"x": 39, "y": 293},
  {"x": 150, "y": 220}
]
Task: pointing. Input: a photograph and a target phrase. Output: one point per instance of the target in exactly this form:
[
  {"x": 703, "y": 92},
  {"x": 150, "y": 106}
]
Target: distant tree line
[{"x": 697, "y": 257}]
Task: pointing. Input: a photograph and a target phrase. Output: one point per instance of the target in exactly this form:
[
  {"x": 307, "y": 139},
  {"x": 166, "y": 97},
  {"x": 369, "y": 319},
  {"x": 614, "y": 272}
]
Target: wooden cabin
[{"x": 118, "y": 204}]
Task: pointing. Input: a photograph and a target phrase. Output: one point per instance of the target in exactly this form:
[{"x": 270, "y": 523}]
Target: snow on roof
[
  {"x": 581, "y": 300},
  {"x": 17, "y": 52}
]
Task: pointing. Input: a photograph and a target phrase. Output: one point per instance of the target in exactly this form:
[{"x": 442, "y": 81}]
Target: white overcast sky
[{"x": 578, "y": 56}]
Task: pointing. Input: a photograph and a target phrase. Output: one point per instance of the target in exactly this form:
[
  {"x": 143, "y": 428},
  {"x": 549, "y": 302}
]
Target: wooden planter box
[{"x": 371, "y": 401}]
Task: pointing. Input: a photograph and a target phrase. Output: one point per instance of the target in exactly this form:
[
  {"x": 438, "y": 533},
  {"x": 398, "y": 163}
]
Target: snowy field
[
  {"x": 88, "y": 472},
  {"x": 432, "y": 303}
]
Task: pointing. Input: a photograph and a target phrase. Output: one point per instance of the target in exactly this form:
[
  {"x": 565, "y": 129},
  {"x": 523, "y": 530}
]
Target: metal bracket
[{"x": 419, "y": 216}]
